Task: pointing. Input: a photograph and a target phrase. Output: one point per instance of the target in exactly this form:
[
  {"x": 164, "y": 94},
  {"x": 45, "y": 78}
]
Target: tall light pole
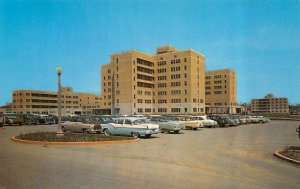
[{"x": 59, "y": 132}]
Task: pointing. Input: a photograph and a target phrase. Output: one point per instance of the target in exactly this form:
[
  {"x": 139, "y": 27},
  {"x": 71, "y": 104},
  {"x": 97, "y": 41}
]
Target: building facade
[
  {"x": 45, "y": 102},
  {"x": 168, "y": 82},
  {"x": 220, "y": 92},
  {"x": 270, "y": 104}
]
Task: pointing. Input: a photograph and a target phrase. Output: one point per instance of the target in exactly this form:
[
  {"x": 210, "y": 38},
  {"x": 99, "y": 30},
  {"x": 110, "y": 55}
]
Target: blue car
[{"x": 130, "y": 126}]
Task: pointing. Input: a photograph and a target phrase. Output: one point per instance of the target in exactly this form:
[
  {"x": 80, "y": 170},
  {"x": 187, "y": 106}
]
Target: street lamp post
[{"x": 60, "y": 132}]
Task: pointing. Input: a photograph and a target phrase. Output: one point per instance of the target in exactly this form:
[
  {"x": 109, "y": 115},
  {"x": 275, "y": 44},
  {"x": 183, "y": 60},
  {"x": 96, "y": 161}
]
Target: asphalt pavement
[{"x": 234, "y": 157}]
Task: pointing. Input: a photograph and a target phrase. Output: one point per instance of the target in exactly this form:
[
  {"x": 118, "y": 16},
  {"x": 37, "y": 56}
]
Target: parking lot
[{"x": 234, "y": 157}]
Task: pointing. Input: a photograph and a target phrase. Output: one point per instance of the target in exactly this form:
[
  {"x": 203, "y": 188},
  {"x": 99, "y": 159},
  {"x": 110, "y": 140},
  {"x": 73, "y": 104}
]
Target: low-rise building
[
  {"x": 270, "y": 104},
  {"x": 46, "y": 102}
]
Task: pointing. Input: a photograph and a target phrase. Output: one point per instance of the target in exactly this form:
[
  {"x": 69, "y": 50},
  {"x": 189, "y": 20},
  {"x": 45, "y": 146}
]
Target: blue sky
[{"x": 259, "y": 39}]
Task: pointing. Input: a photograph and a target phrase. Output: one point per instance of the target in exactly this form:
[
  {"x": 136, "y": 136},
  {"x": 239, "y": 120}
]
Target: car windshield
[
  {"x": 171, "y": 118},
  {"x": 10, "y": 115}
]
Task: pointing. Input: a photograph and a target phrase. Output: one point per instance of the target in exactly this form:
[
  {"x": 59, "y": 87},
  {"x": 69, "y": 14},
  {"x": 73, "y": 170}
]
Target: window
[
  {"x": 144, "y": 62},
  {"x": 175, "y": 84},
  {"x": 148, "y": 93},
  {"x": 175, "y": 61},
  {"x": 173, "y": 69},
  {"x": 175, "y": 109},
  {"x": 162, "y": 101},
  {"x": 162, "y": 70},
  {"x": 140, "y": 100},
  {"x": 175, "y": 100},
  {"x": 162, "y": 77},
  {"x": 140, "y": 110},
  {"x": 162, "y": 93},
  {"x": 147, "y": 109},
  {"x": 162, "y": 85},
  {"x": 217, "y": 76},
  {"x": 218, "y": 92},
  {"x": 161, "y": 63},
  {"x": 175, "y": 92},
  {"x": 148, "y": 101},
  {"x": 175, "y": 76},
  {"x": 218, "y": 87},
  {"x": 217, "y": 81},
  {"x": 162, "y": 110},
  {"x": 207, "y": 93}
]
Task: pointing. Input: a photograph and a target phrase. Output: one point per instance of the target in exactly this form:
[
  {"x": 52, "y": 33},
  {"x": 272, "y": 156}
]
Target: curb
[
  {"x": 71, "y": 143},
  {"x": 276, "y": 154}
]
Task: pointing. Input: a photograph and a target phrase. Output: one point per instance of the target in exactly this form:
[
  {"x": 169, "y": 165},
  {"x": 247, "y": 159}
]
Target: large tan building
[
  {"x": 45, "y": 102},
  {"x": 168, "y": 82},
  {"x": 220, "y": 92},
  {"x": 270, "y": 104}
]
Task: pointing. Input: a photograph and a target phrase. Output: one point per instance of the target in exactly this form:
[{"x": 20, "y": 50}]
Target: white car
[{"x": 206, "y": 122}]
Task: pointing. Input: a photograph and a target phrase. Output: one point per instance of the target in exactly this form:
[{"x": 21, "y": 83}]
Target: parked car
[
  {"x": 251, "y": 119},
  {"x": 30, "y": 119},
  {"x": 11, "y": 119},
  {"x": 85, "y": 124},
  {"x": 130, "y": 126},
  {"x": 236, "y": 119},
  {"x": 262, "y": 119},
  {"x": 189, "y": 123},
  {"x": 206, "y": 122},
  {"x": 222, "y": 120},
  {"x": 46, "y": 119},
  {"x": 166, "y": 125}
]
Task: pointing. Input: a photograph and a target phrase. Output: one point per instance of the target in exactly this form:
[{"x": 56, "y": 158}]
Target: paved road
[{"x": 236, "y": 157}]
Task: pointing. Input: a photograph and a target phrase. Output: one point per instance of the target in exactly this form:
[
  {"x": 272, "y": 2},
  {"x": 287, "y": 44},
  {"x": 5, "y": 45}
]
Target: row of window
[
  {"x": 174, "y": 61},
  {"x": 215, "y": 76},
  {"x": 215, "y": 92},
  {"x": 173, "y": 110},
  {"x": 215, "y": 82}
]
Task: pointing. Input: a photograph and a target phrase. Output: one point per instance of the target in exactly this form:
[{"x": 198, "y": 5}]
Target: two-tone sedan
[
  {"x": 130, "y": 126},
  {"x": 85, "y": 124},
  {"x": 167, "y": 125}
]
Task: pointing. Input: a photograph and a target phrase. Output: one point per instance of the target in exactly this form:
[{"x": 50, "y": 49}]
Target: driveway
[{"x": 235, "y": 157}]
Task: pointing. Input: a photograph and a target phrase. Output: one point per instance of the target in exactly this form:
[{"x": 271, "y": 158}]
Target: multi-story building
[
  {"x": 6, "y": 108},
  {"x": 168, "y": 82},
  {"x": 270, "y": 104},
  {"x": 45, "y": 102},
  {"x": 220, "y": 92}
]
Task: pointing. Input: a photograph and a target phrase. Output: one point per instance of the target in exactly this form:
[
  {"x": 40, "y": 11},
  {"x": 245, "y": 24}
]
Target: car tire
[
  {"x": 107, "y": 132},
  {"x": 85, "y": 131},
  {"x": 148, "y": 135},
  {"x": 63, "y": 129},
  {"x": 176, "y": 132},
  {"x": 135, "y": 135},
  {"x": 166, "y": 131}
]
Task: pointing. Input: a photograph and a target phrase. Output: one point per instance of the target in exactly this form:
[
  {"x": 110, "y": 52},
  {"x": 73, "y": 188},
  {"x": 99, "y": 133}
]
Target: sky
[{"x": 258, "y": 39}]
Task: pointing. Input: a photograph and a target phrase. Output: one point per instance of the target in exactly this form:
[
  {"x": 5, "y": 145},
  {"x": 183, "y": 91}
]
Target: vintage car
[
  {"x": 222, "y": 120},
  {"x": 85, "y": 124},
  {"x": 11, "y": 119},
  {"x": 30, "y": 119},
  {"x": 251, "y": 119},
  {"x": 206, "y": 122},
  {"x": 262, "y": 119},
  {"x": 167, "y": 125},
  {"x": 46, "y": 119},
  {"x": 130, "y": 126},
  {"x": 189, "y": 123}
]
